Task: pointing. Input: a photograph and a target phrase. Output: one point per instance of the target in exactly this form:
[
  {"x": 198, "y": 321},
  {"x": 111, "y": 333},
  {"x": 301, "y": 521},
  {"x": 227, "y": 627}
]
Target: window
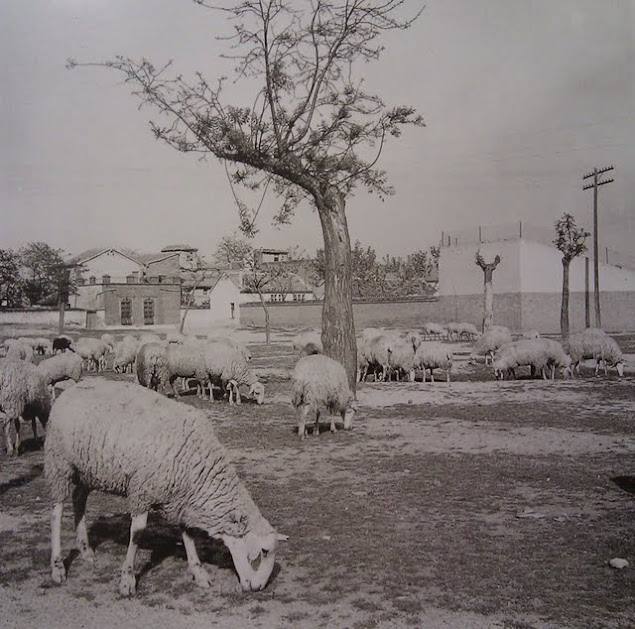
[
  {"x": 276, "y": 297},
  {"x": 126, "y": 311},
  {"x": 105, "y": 279},
  {"x": 92, "y": 279},
  {"x": 148, "y": 312},
  {"x": 298, "y": 296}
]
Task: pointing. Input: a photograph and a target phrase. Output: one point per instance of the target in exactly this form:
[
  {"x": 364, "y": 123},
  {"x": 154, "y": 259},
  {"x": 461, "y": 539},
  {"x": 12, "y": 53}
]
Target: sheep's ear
[{"x": 283, "y": 538}]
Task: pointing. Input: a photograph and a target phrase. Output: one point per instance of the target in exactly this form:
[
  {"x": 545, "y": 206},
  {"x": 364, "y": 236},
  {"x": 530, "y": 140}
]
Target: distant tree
[
  {"x": 309, "y": 131},
  {"x": 44, "y": 273},
  {"x": 257, "y": 276},
  {"x": 11, "y": 284},
  {"x": 570, "y": 240},
  {"x": 197, "y": 274},
  {"x": 488, "y": 292}
]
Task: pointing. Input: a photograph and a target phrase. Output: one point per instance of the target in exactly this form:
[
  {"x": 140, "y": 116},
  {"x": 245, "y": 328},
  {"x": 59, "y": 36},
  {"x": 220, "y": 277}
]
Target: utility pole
[{"x": 596, "y": 270}]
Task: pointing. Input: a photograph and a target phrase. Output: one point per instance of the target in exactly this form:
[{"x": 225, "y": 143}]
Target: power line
[{"x": 596, "y": 272}]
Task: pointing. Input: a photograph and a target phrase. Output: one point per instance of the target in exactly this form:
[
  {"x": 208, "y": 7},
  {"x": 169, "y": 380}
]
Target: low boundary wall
[
  {"x": 43, "y": 317},
  {"x": 529, "y": 311}
]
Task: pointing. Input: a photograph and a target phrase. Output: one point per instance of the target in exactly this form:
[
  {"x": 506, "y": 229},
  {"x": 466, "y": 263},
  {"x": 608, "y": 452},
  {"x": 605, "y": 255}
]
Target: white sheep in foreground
[
  {"x": 594, "y": 343},
  {"x": 487, "y": 344},
  {"x": 321, "y": 382},
  {"x": 434, "y": 356},
  {"x": 116, "y": 437},
  {"x": 307, "y": 343},
  {"x": 66, "y": 366},
  {"x": 23, "y": 394},
  {"x": 538, "y": 354}
]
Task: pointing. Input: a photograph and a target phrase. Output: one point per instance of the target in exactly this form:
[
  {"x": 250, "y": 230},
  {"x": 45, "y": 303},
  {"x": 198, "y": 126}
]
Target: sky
[{"x": 521, "y": 99}]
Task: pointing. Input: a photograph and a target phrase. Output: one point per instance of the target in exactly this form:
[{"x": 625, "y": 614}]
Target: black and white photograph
[{"x": 317, "y": 314}]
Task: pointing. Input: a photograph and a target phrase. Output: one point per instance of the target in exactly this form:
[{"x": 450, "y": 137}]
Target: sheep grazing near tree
[
  {"x": 23, "y": 394},
  {"x": 594, "y": 343},
  {"x": 132, "y": 442},
  {"x": 538, "y": 354},
  {"x": 487, "y": 344},
  {"x": 321, "y": 382}
]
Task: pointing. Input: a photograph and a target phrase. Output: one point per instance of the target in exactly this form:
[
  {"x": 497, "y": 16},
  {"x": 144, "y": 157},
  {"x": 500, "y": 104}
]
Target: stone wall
[{"x": 49, "y": 317}]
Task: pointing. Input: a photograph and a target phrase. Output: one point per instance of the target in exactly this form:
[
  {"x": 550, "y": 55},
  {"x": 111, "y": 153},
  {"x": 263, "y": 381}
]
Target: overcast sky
[{"x": 521, "y": 99}]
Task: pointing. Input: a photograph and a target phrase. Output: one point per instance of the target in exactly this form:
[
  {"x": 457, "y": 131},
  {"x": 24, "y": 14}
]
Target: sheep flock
[{"x": 131, "y": 433}]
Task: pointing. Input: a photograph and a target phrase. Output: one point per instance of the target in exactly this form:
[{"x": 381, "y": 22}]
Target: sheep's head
[
  {"x": 254, "y": 556},
  {"x": 349, "y": 415},
  {"x": 257, "y": 391},
  {"x": 619, "y": 365}
]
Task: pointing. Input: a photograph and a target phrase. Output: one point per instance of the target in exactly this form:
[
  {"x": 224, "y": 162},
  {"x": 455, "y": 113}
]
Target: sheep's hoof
[
  {"x": 58, "y": 572},
  {"x": 87, "y": 553},
  {"x": 127, "y": 584},
  {"x": 201, "y": 578}
]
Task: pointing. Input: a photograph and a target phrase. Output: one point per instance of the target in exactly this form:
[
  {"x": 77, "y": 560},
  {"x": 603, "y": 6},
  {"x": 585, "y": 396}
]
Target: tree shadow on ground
[{"x": 627, "y": 483}]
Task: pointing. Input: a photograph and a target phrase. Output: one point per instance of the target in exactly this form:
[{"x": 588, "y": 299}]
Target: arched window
[{"x": 126, "y": 311}]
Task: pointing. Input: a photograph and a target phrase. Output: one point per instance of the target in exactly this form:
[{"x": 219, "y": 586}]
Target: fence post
[
  {"x": 520, "y": 229},
  {"x": 479, "y": 235}
]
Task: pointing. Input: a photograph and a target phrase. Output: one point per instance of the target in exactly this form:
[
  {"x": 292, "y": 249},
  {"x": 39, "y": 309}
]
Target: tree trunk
[
  {"x": 187, "y": 309},
  {"x": 267, "y": 324},
  {"x": 338, "y": 327},
  {"x": 488, "y": 306},
  {"x": 564, "y": 309}
]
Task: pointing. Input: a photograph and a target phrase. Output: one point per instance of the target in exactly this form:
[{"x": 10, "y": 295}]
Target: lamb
[
  {"x": 66, "y": 366},
  {"x": 593, "y": 343},
  {"x": 489, "y": 342},
  {"x": 116, "y": 437},
  {"x": 531, "y": 334},
  {"x": 433, "y": 356},
  {"x": 538, "y": 354},
  {"x": 23, "y": 393},
  {"x": 227, "y": 367},
  {"x": 434, "y": 330},
  {"x": 307, "y": 343},
  {"x": 319, "y": 381},
  {"x": 152, "y": 366}
]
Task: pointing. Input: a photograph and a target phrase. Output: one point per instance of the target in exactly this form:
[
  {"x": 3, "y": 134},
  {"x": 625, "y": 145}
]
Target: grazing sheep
[
  {"x": 538, "y": 354},
  {"x": 227, "y": 367},
  {"x": 414, "y": 338},
  {"x": 93, "y": 351},
  {"x": 152, "y": 366},
  {"x": 402, "y": 360},
  {"x": 376, "y": 352},
  {"x": 23, "y": 394},
  {"x": 434, "y": 356},
  {"x": 66, "y": 366},
  {"x": 489, "y": 342},
  {"x": 307, "y": 343},
  {"x": 531, "y": 334},
  {"x": 43, "y": 346},
  {"x": 434, "y": 330},
  {"x": 62, "y": 343},
  {"x": 20, "y": 351},
  {"x": 452, "y": 330},
  {"x": 592, "y": 343},
  {"x": 319, "y": 381},
  {"x": 125, "y": 355},
  {"x": 611, "y": 356},
  {"x": 132, "y": 442},
  {"x": 186, "y": 361},
  {"x": 467, "y": 331}
]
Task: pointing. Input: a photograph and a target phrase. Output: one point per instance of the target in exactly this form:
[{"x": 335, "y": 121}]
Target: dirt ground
[{"x": 470, "y": 504}]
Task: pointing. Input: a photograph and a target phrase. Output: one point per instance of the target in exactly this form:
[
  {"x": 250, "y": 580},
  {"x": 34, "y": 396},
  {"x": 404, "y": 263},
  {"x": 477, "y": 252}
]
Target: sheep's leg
[
  {"x": 34, "y": 427},
  {"x": 80, "y": 496},
  {"x": 8, "y": 442},
  {"x": 431, "y": 375},
  {"x": 303, "y": 411},
  {"x": 316, "y": 430},
  {"x": 16, "y": 443},
  {"x": 201, "y": 578},
  {"x": 447, "y": 376},
  {"x": 127, "y": 584},
  {"x": 172, "y": 381},
  {"x": 58, "y": 571}
]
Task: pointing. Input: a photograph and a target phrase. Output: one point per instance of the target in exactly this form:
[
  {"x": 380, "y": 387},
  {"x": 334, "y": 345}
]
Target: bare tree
[
  {"x": 488, "y": 292},
  {"x": 570, "y": 240},
  {"x": 310, "y": 131}
]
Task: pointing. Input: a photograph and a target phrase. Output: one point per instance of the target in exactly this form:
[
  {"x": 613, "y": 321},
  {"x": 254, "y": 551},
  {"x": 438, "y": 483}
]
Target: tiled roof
[{"x": 171, "y": 248}]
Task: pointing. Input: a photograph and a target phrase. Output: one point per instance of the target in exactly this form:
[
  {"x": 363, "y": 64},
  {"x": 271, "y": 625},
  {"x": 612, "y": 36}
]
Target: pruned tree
[
  {"x": 488, "y": 269},
  {"x": 570, "y": 240},
  {"x": 11, "y": 283},
  {"x": 257, "y": 276},
  {"x": 310, "y": 131}
]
